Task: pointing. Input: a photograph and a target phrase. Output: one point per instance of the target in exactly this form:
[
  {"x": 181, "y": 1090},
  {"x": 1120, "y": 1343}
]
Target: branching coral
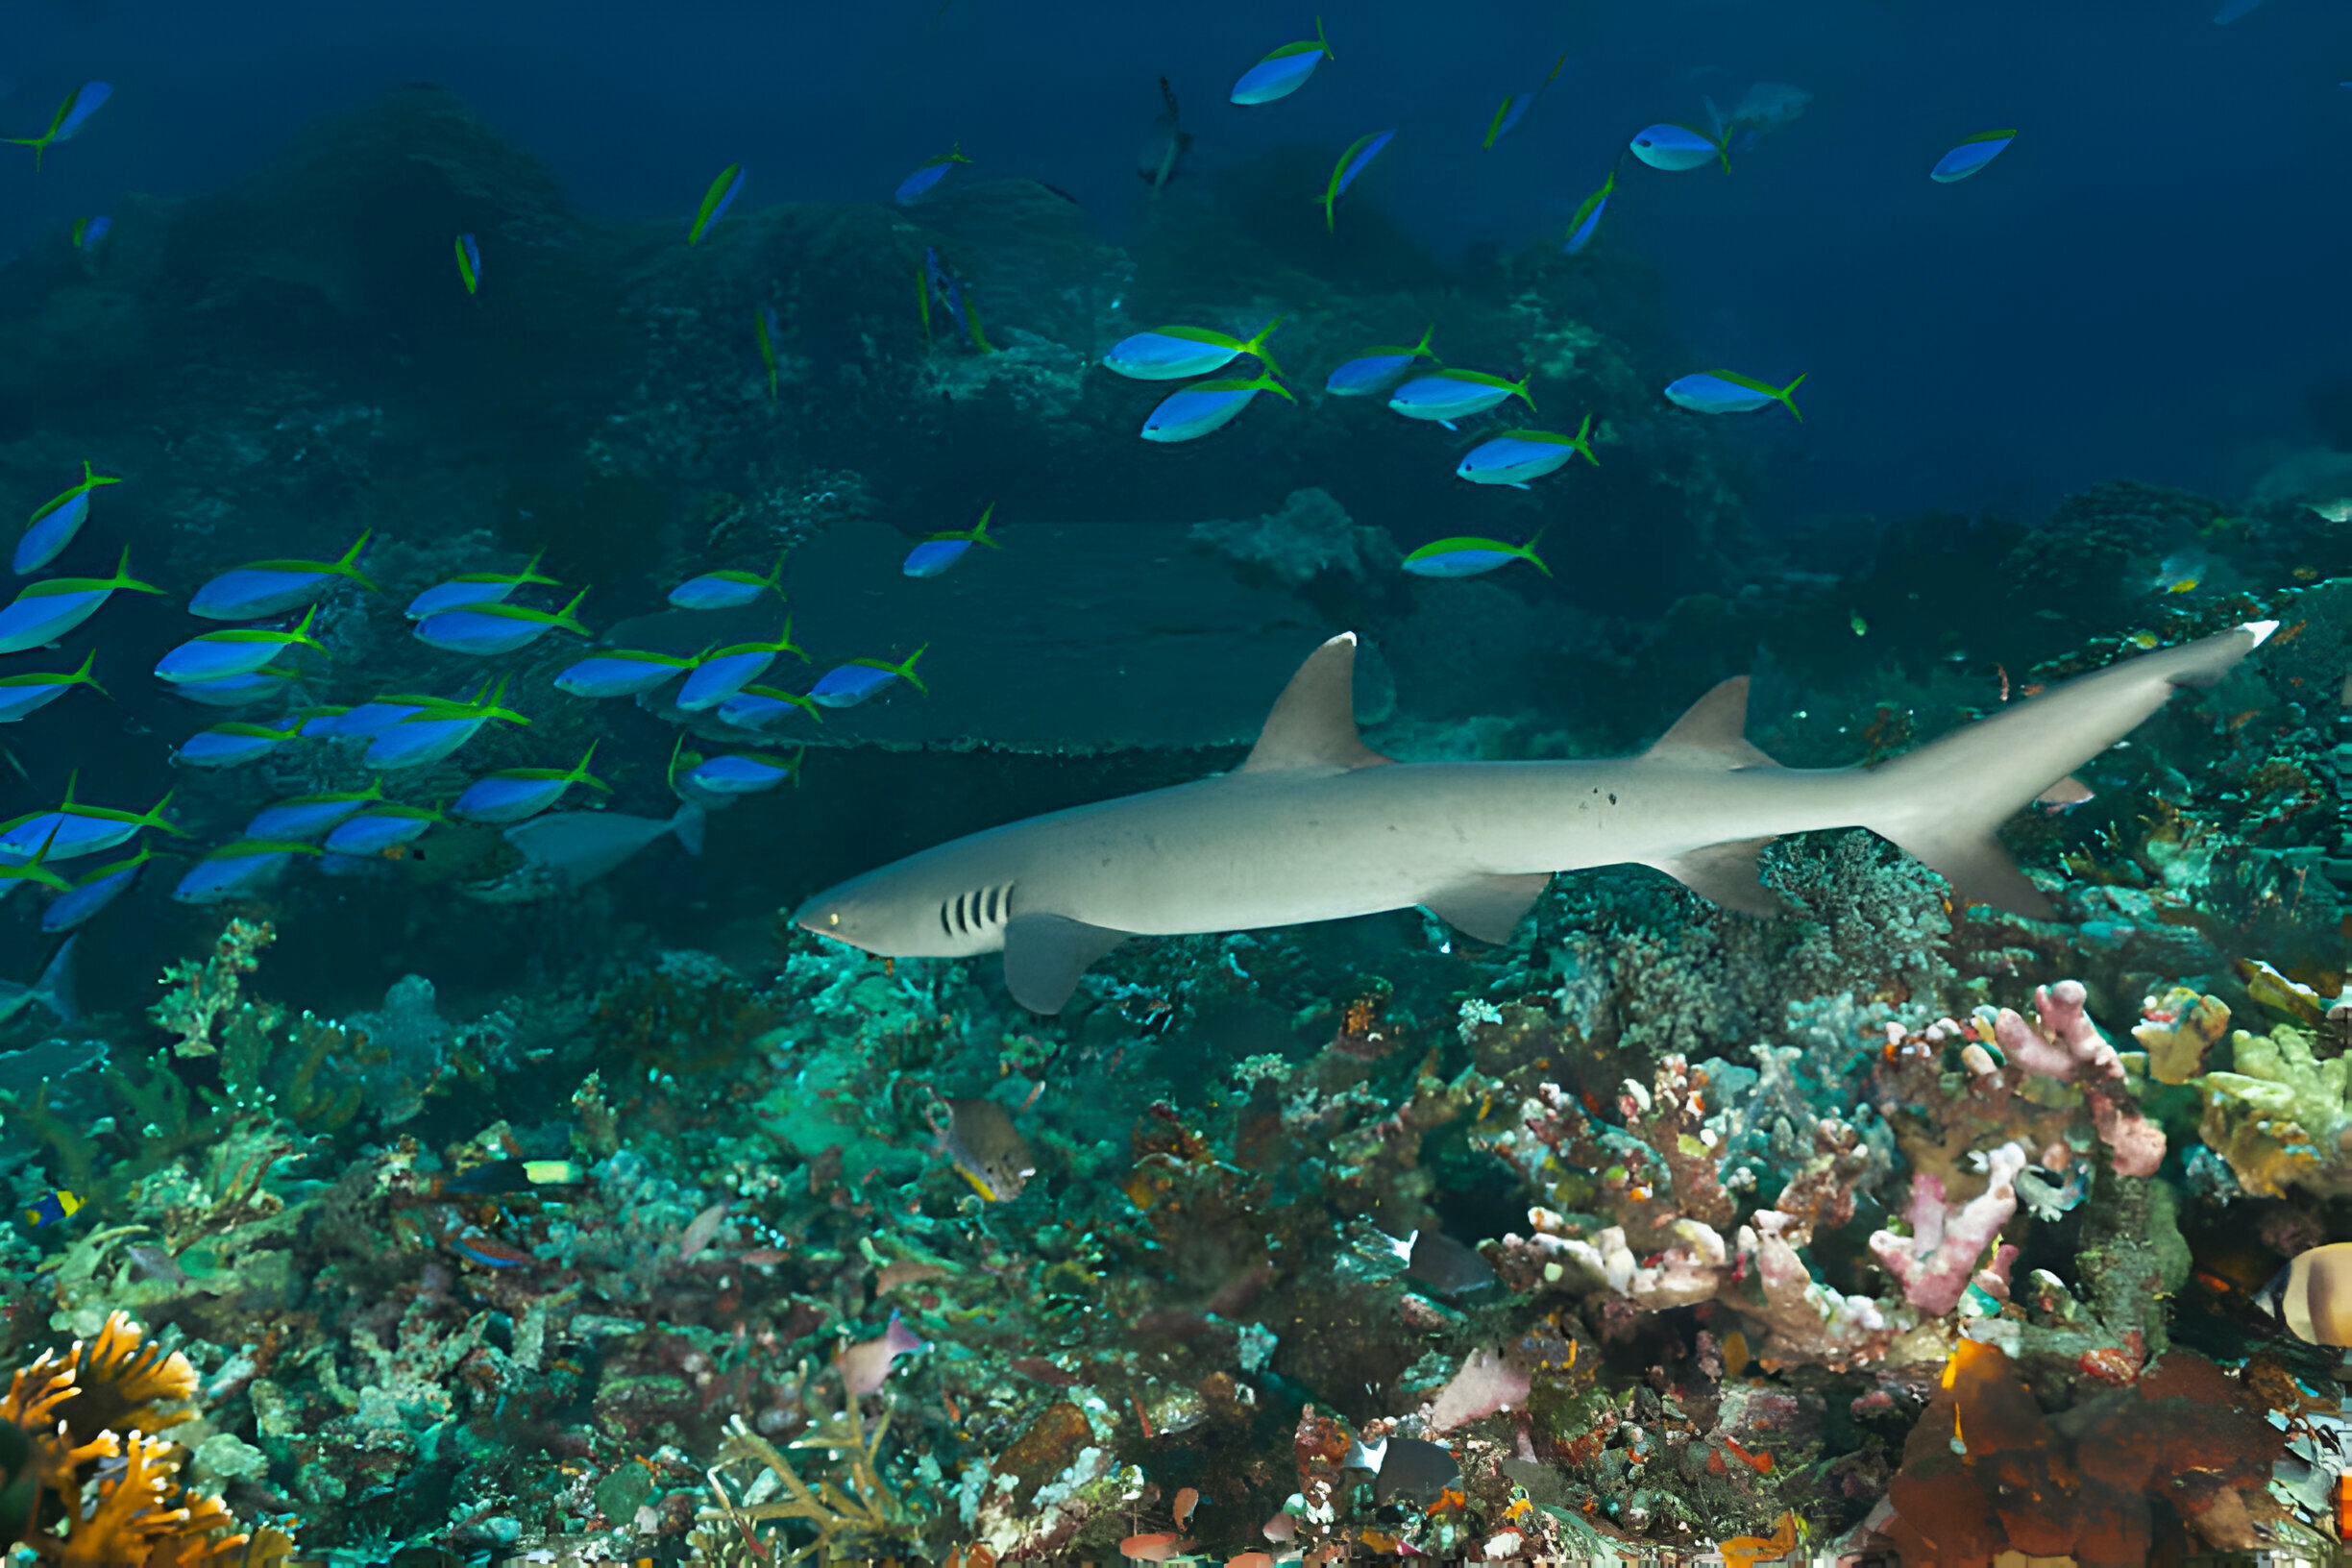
[
  {"x": 857, "y": 1517},
  {"x": 96, "y": 1484},
  {"x": 200, "y": 992},
  {"x": 1935, "y": 1262},
  {"x": 2068, "y": 1046}
]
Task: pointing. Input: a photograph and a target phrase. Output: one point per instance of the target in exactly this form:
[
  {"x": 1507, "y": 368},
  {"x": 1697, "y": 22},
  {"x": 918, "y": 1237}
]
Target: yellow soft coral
[
  {"x": 132, "y": 1512},
  {"x": 123, "y": 1377}
]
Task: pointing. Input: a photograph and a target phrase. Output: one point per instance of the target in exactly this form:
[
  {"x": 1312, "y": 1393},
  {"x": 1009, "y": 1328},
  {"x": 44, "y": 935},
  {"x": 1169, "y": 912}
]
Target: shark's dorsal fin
[
  {"x": 1713, "y": 730},
  {"x": 1313, "y": 721}
]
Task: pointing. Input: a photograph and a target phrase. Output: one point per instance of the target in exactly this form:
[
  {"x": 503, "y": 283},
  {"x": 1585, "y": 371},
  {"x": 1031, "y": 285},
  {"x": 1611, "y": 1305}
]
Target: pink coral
[
  {"x": 1810, "y": 1322},
  {"x": 1935, "y": 1262},
  {"x": 2068, "y": 1046},
  {"x": 1486, "y": 1383}
]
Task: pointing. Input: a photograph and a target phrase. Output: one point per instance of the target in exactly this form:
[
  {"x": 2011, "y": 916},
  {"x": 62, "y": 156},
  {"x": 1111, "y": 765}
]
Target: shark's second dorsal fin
[
  {"x": 1713, "y": 730},
  {"x": 1313, "y": 721}
]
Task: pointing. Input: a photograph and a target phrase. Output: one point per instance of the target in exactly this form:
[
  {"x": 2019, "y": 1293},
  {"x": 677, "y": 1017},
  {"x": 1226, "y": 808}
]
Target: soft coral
[{"x": 1985, "y": 1471}]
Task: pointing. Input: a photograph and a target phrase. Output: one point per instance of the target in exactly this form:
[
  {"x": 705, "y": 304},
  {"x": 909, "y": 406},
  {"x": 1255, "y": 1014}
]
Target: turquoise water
[{"x": 1702, "y": 914}]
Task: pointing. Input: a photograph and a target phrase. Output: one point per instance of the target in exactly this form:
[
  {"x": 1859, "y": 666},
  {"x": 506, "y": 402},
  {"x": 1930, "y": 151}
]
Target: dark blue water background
[{"x": 2147, "y": 284}]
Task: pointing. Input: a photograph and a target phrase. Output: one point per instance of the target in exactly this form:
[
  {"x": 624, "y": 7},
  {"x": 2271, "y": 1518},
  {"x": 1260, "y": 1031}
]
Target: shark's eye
[{"x": 833, "y": 919}]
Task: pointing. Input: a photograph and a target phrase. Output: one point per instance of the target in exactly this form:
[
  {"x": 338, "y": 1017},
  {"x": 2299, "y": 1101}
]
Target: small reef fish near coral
[{"x": 866, "y": 858}]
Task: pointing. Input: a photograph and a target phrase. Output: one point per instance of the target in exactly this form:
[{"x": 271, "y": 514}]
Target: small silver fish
[{"x": 988, "y": 1150}]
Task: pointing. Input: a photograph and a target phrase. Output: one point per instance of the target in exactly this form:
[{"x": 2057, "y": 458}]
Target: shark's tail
[
  {"x": 1944, "y": 801},
  {"x": 55, "y": 988}
]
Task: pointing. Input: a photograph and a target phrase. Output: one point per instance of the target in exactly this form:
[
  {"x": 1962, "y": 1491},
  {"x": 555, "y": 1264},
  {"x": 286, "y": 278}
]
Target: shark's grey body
[{"x": 1315, "y": 826}]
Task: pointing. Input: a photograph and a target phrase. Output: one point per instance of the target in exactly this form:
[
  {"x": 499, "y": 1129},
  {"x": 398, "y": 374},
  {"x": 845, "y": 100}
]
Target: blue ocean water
[{"x": 977, "y": 781}]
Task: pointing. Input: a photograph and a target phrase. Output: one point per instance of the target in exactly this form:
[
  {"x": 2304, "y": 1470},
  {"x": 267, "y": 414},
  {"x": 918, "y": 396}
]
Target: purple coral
[
  {"x": 2068, "y": 1046},
  {"x": 1935, "y": 1260}
]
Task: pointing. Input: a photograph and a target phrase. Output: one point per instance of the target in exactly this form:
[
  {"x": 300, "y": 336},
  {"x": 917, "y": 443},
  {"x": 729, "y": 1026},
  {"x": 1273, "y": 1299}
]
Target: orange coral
[
  {"x": 126, "y": 1515},
  {"x": 1985, "y": 1471},
  {"x": 122, "y": 1378}
]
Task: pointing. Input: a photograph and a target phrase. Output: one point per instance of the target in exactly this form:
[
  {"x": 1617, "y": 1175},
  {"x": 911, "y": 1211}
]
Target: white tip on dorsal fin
[
  {"x": 1714, "y": 731},
  {"x": 1313, "y": 721}
]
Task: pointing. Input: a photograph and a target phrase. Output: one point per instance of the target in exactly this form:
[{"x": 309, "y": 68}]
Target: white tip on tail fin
[
  {"x": 2262, "y": 630},
  {"x": 1945, "y": 801}
]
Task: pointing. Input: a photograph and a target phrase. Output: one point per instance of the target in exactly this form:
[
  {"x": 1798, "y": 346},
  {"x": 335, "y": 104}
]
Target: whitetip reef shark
[{"x": 1317, "y": 826}]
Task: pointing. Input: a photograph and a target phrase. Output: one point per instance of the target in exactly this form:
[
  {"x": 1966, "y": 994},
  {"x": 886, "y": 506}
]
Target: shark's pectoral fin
[
  {"x": 1727, "y": 874},
  {"x": 1046, "y": 954},
  {"x": 1978, "y": 869},
  {"x": 1488, "y": 908}
]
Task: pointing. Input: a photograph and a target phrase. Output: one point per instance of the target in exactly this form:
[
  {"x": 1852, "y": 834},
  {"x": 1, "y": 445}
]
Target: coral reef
[{"x": 632, "y": 1224}]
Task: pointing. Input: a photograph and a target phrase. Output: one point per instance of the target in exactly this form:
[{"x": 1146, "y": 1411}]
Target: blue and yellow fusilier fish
[
  {"x": 1674, "y": 148},
  {"x": 1206, "y": 406},
  {"x": 1361, "y": 152},
  {"x": 1445, "y": 395},
  {"x": 218, "y": 655},
  {"x": 469, "y": 262},
  {"x": 847, "y": 685},
  {"x": 42, "y": 612},
  {"x": 514, "y": 795},
  {"x": 756, "y": 707},
  {"x": 1972, "y": 154},
  {"x": 937, "y": 552},
  {"x": 720, "y": 674},
  {"x": 52, "y": 526},
  {"x": 266, "y": 588},
  {"x": 1472, "y": 557},
  {"x": 302, "y": 817},
  {"x": 1377, "y": 369},
  {"x": 621, "y": 671},
  {"x": 74, "y": 827},
  {"x": 381, "y": 828},
  {"x": 715, "y": 202},
  {"x": 475, "y": 588},
  {"x": 1729, "y": 392},
  {"x": 80, "y": 903},
  {"x": 498, "y": 627},
  {"x": 79, "y": 105},
  {"x": 927, "y": 175},
  {"x": 1587, "y": 220},
  {"x": 1175, "y": 354},
  {"x": 436, "y": 731},
  {"x": 1516, "y": 456},
  {"x": 233, "y": 744},
  {"x": 1284, "y": 71},
  {"x": 728, "y": 589},
  {"x": 1514, "y": 107},
  {"x": 744, "y": 772},
  {"x": 28, "y": 694}
]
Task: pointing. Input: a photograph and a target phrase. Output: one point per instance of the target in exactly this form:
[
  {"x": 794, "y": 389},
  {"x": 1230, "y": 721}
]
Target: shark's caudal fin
[
  {"x": 1712, "y": 734},
  {"x": 55, "y": 988},
  {"x": 1944, "y": 801}
]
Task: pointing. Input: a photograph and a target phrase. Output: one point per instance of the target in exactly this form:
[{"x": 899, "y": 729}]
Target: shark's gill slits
[{"x": 983, "y": 909}]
